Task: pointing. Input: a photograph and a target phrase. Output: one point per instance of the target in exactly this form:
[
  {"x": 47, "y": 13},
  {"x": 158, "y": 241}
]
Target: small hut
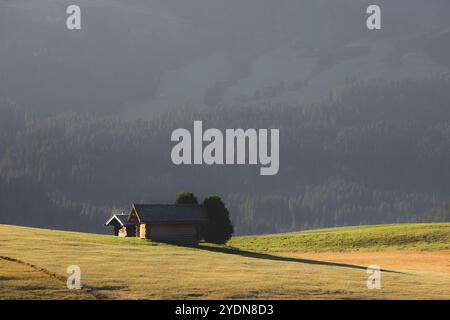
[
  {"x": 122, "y": 227},
  {"x": 168, "y": 223}
]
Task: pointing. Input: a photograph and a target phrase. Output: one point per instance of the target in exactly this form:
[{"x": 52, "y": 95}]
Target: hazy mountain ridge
[
  {"x": 373, "y": 153},
  {"x": 140, "y": 56},
  {"x": 86, "y": 116}
]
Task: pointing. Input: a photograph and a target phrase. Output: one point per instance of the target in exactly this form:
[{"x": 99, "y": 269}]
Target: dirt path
[
  {"x": 397, "y": 260},
  {"x": 85, "y": 289}
]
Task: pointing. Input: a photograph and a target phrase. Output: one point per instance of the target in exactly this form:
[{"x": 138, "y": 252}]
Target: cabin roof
[
  {"x": 122, "y": 219},
  {"x": 168, "y": 213}
]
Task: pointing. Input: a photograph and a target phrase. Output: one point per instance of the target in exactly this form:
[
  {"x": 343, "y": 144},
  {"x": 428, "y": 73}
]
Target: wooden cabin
[
  {"x": 168, "y": 223},
  {"x": 122, "y": 227}
]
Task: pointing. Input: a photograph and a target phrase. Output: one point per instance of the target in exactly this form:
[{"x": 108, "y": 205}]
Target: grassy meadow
[
  {"x": 33, "y": 263},
  {"x": 420, "y": 237}
]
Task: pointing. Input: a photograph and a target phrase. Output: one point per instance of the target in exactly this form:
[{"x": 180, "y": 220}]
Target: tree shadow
[{"x": 265, "y": 256}]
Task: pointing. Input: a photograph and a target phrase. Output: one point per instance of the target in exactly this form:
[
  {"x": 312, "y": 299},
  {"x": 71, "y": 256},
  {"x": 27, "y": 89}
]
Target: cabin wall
[
  {"x": 144, "y": 231},
  {"x": 122, "y": 232},
  {"x": 176, "y": 233},
  {"x": 137, "y": 230},
  {"x": 129, "y": 231}
]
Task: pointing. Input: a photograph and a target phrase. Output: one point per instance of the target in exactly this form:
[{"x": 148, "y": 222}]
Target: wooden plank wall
[{"x": 174, "y": 233}]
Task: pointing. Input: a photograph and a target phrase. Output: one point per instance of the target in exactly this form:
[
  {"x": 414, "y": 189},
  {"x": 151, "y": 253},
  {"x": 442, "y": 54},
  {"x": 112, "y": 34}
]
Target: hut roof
[
  {"x": 122, "y": 219},
  {"x": 168, "y": 213}
]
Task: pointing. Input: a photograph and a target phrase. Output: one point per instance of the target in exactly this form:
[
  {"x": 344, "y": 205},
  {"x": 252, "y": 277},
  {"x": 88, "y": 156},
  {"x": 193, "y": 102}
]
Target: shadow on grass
[{"x": 265, "y": 256}]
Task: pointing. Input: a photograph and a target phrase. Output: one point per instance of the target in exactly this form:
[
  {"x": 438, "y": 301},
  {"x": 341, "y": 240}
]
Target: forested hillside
[
  {"x": 372, "y": 152},
  {"x": 160, "y": 54}
]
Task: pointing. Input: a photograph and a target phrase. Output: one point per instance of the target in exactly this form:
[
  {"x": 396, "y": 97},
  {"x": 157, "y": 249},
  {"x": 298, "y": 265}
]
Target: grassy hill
[
  {"x": 33, "y": 263},
  {"x": 423, "y": 237}
]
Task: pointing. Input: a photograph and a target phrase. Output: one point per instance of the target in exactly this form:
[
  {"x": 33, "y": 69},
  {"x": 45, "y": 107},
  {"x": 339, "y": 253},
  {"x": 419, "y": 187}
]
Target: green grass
[
  {"x": 117, "y": 268},
  {"x": 418, "y": 237}
]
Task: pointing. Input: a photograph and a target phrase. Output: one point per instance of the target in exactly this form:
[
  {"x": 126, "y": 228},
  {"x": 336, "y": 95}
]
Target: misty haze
[{"x": 86, "y": 115}]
